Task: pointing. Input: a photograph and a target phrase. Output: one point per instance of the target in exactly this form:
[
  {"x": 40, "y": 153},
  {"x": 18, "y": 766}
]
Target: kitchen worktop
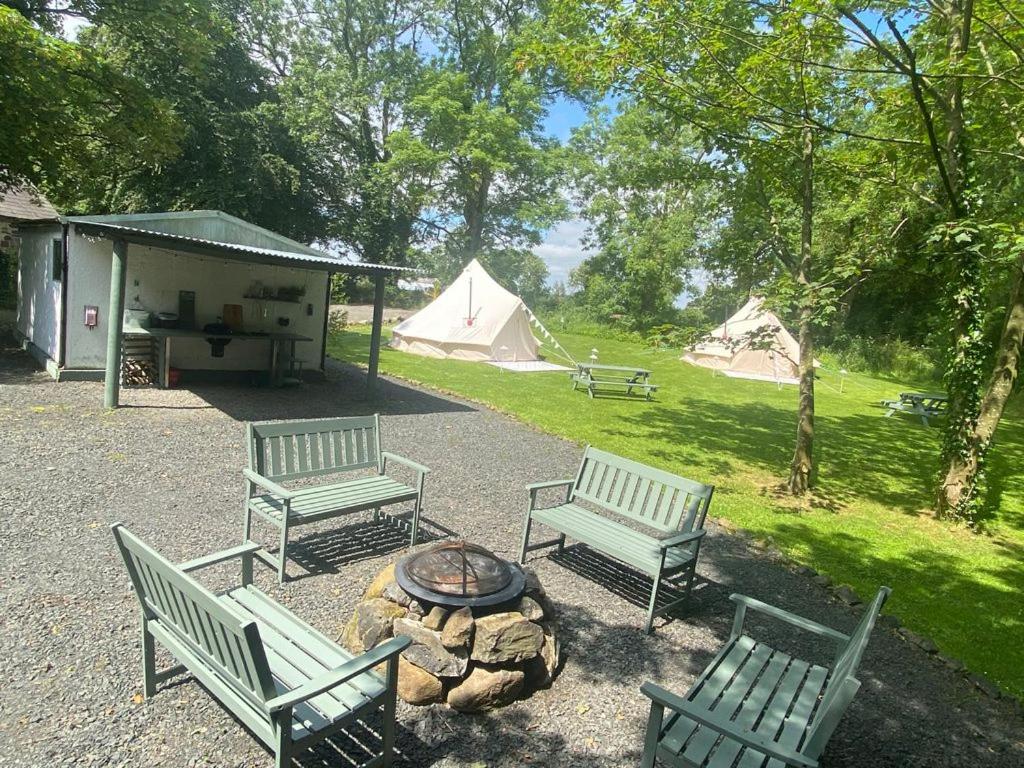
[{"x": 184, "y": 333}]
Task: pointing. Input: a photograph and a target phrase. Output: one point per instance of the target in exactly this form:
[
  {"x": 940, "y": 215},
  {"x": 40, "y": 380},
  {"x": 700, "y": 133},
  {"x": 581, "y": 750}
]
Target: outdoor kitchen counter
[{"x": 164, "y": 335}]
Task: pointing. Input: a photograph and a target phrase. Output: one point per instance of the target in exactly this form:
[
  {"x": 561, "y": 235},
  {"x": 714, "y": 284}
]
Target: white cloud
[{"x": 562, "y": 250}]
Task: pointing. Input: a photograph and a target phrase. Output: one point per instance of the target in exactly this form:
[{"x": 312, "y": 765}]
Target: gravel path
[{"x": 169, "y": 466}]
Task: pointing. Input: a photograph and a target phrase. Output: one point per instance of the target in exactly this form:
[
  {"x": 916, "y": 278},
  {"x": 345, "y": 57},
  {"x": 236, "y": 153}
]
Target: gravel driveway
[{"x": 168, "y": 465}]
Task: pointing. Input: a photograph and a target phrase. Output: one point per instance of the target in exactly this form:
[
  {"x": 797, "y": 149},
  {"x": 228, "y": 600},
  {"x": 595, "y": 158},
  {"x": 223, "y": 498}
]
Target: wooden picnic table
[
  {"x": 594, "y": 375},
  {"x": 924, "y": 404}
]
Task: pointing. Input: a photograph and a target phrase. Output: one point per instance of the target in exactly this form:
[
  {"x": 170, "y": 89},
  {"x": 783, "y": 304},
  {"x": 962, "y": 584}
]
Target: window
[{"x": 58, "y": 259}]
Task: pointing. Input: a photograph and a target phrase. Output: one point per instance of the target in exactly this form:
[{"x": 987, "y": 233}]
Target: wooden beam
[
  {"x": 115, "y": 313},
  {"x": 378, "y": 322}
]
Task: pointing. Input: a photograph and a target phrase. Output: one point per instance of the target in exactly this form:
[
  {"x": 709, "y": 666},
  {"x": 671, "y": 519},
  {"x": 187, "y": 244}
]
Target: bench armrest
[
  {"x": 660, "y": 697},
  {"x": 242, "y": 550},
  {"x": 743, "y": 603},
  {"x": 681, "y": 538},
  {"x": 268, "y": 485},
  {"x": 385, "y": 455},
  {"x": 338, "y": 675},
  {"x": 534, "y": 487}
]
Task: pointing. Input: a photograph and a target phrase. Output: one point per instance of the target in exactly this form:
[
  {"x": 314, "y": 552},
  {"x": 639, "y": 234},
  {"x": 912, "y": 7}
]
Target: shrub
[
  {"x": 883, "y": 357},
  {"x": 337, "y": 320}
]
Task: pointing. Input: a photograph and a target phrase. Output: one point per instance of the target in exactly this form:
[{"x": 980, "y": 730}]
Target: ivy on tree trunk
[{"x": 802, "y": 467}]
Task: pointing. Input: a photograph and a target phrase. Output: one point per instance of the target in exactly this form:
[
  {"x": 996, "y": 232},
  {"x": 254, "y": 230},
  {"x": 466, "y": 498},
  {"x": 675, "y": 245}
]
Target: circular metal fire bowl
[{"x": 458, "y": 573}]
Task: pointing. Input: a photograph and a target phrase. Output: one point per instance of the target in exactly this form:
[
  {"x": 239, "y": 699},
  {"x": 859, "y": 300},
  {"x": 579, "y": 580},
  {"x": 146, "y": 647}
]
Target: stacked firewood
[{"x": 137, "y": 373}]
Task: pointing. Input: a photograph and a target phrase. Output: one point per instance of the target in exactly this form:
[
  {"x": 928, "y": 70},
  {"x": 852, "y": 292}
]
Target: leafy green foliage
[
  {"x": 68, "y": 114},
  {"x": 637, "y": 183},
  {"x": 872, "y": 527}
]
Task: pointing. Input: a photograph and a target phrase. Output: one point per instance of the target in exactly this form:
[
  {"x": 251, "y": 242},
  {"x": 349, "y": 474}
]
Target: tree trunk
[
  {"x": 964, "y": 472},
  {"x": 475, "y": 210},
  {"x": 801, "y": 471}
]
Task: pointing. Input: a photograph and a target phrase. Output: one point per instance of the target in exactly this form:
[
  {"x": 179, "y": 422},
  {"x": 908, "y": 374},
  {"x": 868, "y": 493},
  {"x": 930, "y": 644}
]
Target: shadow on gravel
[
  {"x": 17, "y": 366},
  {"x": 630, "y": 585},
  {"x": 342, "y": 393},
  {"x": 440, "y": 736},
  {"x": 330, "y": 551}
]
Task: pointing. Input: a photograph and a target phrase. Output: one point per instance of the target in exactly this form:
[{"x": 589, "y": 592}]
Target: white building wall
[
  {"x": 155, "y": 276},
  {"x": 38, "y": 293}
]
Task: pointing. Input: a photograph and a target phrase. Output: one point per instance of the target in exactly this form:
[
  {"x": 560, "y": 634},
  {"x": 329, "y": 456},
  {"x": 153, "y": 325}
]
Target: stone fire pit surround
[{"x": 471, "y": 658}]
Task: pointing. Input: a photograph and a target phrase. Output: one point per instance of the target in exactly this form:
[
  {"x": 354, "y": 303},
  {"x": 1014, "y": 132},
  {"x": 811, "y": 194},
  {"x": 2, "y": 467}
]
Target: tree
[
  {"x": 347, "y": 74},
  {"x": 955, "y": 64},
  {"x": 235, "y": 153},
  {"x": 477, "y": 125},
  {"x": 738, "y": 74},
  {"x": 68, "y": 113},
  {"x": 636, "y": 182}
]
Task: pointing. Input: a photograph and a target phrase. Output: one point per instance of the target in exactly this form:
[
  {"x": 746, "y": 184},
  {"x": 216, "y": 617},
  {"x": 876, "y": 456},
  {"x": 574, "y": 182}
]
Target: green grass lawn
[{"x": 868, "y": 524}]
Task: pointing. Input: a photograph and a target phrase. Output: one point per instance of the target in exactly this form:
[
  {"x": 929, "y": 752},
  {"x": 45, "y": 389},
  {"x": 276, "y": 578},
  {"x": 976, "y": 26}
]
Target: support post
[
  {"x": 115, "y": 313},
  {"x": 378, "y": 321}
]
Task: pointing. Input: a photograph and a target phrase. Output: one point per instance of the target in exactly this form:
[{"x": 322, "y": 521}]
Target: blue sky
[{"x": 561, "y": 249}]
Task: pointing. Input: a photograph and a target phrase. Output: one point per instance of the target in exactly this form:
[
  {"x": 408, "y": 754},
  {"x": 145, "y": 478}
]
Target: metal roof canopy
[{"x": 242, "y": 253}]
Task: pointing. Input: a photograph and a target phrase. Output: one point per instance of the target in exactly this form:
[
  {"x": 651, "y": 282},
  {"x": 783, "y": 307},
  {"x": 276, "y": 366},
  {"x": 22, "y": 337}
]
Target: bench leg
[
  {"x": 284, "y": 750},
  {"x": 376, "y": 514},
  {"x": 415, "y": 533},
  {"x": 282, "y": 552},
  {"x": 388, "y": 727},
  {"x": 924, "y": 419},
  {"x": 653, "y": 734},
  {"x": 247, "y": 525},
  {"x": 148, "y": 661},
  {"x": 526, "y": 535},
  {"x": 561, "y": 543},
  {"x": 650, "y": 608}
]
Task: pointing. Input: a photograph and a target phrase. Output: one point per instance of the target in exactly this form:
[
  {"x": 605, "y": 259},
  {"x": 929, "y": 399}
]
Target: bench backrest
[
  {"x": 193, "y": 619},
  {"x": 842, "y": 682},
  {"x": 633, "y": 490},
  {"x": 290, "y": 450}
]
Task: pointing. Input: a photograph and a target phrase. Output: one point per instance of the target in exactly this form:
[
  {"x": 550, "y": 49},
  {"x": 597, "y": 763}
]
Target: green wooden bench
[
  {"x": 280, "y": 452},
  {"x": 670, "y": 510},
  {"x": 287, "y": 683},
  {"x": 755, "y": 705}
]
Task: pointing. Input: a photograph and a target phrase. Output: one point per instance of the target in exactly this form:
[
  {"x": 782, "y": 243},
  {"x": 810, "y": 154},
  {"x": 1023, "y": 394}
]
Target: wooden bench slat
[
  {"x": 703, "y": 740},
  {"x": 776, "y": 710},
  {"x": 706, "y": 690},
  {"x": 318, "y": 448},
  {"x": 794, "y": 727},
  {"x": 749, "y": 707},
  {"x": 638, "y": 549},
  {"x": 245, "y": 650}
]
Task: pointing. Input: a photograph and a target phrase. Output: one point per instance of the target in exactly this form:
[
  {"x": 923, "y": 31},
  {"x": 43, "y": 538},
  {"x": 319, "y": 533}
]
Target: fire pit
[
  {"x": 458, "y": 573},
  {"x": 483, "y": 630}
]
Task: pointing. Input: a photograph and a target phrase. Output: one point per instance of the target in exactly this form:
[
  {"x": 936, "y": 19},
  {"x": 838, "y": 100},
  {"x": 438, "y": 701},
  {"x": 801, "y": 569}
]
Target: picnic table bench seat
[
  {"x": 644, "y": 517},
  {"x": 281, "y": 452},
  {"x": 288, "y": 683},
  {"x": 755, "y": 705}
]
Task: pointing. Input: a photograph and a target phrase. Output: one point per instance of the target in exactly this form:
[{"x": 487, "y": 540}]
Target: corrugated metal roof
[
  {"x": 247, "y": 253},
  {"x": 22, "y": 204}
]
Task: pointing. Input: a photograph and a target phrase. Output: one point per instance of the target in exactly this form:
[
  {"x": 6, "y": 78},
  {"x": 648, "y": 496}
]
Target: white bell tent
[
  {"x": 476, "y": 319},
  {"x": 752, "y": 344}
]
